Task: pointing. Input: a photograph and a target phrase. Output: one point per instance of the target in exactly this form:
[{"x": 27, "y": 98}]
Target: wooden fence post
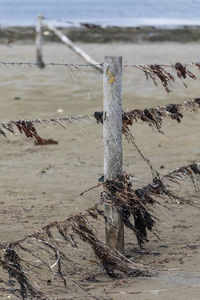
[
  {"x": 75, "y": 48},
  {"x": 39, "y": 59},
  {"x": 112, "y": 135}
]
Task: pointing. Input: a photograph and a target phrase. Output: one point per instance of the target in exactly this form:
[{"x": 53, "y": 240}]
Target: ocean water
[{"x": 102, "y": 12}]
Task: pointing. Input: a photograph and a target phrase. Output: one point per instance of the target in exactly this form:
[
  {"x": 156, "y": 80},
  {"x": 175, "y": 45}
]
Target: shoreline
[{"x": 94, "y": 34}]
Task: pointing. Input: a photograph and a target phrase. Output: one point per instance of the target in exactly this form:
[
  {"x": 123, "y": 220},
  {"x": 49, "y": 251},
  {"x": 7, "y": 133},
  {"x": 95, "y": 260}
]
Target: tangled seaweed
[
  {"x": 11, "y": 262},
  {"x": 27, "y": 127},
  {"x": 156, "y": 72},
  {"x": 154, "y": 116},
  {"x": 138, "y": 203},
  {"x": 51, "y": 238},
  {"x": 130, "y": 203},
  {"x": 182, "y": 72},
  {"x": 191, "y": 172},
  {"x": 23, "y": 127}
]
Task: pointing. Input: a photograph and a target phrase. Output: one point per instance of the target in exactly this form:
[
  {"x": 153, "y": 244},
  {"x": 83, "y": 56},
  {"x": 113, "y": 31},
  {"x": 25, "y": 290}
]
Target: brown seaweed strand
[
  {"x": 156, "y": 72},
  {"x": 11, "y": 263},
  {"x": 182, "y": 72}
]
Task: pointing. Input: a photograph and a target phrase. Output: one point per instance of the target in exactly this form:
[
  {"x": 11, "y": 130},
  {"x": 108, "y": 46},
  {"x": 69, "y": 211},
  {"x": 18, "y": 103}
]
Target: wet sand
[{"x": 42, "y": 183}]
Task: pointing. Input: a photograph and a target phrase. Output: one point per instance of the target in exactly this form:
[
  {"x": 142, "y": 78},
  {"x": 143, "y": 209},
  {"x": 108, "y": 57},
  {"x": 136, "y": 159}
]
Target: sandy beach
[{"x": 40, "y": 184}]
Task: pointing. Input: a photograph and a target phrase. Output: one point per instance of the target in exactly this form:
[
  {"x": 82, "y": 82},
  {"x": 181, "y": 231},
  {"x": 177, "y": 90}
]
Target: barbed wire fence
[
  {"x": 117, "y": 192},
  {"x": 156, "y": 72}
]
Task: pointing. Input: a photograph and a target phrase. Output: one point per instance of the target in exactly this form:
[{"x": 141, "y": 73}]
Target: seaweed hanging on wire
[
  {"x": 156, "y": 72},
  {"x": 50, "y": 240},
  {"x": 27, "y": 127},
  {"x": 11, "y": 262},
  {"x": 53, "y": 237},
  {"x": 129, "y": 203},
  {"x": 138, "y": 203},
  {"x": 182, "y": 72},
  {"x": 154, "y": 116}
]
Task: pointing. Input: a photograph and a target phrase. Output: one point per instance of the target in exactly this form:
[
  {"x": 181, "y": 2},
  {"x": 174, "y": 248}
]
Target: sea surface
[{"x": 102, "y": 12}]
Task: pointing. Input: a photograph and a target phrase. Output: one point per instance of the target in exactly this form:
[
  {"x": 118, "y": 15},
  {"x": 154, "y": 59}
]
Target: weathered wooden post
[
  {"x": 112, "y": 134},
  {"x": 39, "y": 59},
  {"x": 75, "y": 48}
]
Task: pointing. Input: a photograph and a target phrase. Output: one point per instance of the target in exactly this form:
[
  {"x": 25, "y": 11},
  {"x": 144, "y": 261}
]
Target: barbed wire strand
[
  {"x": 190, "y": 105},
  {"x": 30, "y": 64},
  {"x": 34, "y": 64},
  {"x": 69, "y": 119}
]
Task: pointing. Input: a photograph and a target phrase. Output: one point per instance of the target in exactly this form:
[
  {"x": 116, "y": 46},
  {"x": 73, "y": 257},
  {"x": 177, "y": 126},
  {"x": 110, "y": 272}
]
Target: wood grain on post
[
  {"x": 112, "y": 134},
  {"x": 76, "y": 49},
  {"x": 39, "y": 42}
]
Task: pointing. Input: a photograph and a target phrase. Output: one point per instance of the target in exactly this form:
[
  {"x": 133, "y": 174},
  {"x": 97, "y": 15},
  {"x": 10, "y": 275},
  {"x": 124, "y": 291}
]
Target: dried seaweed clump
[
  {"x": 154, "y": 116},
  {"x": 18, "y": 258},
  {"x": 23, "y": 127},
  {"x": 109, "y": 257},
  {"x": 157, "y": 72},
  {"x": 183, "y": 72},
  {"x": 136, "y": 203},
  {"x": 11, "y": 262},
  {"x": 191, "y": 172}
]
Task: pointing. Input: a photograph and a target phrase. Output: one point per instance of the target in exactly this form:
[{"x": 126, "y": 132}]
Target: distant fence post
[
  {"x": 39, "y": 59},
  {"x": 112, "y": 135}
]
